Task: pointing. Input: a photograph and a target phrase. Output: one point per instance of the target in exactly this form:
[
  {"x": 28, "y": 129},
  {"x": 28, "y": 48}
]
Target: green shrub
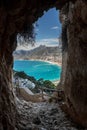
[
  {"x": 22, "y": 74},
  {"x": 48, "y": 84}
]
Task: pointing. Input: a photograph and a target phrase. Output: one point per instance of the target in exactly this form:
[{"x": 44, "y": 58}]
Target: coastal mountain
[{"x": 42, "y": 52}]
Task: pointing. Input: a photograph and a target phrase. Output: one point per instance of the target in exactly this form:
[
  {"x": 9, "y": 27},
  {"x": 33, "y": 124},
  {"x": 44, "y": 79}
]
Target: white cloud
[
  {"x": 55, "y": 27},
  {"x": 46, "y": 42},
  {"x": 28, "y": 47}
]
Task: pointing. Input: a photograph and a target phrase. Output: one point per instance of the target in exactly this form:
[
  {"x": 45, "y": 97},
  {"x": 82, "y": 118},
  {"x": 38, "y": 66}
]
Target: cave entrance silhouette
[
  {"x": 48, "y": 47},
  {"x": 47, "y": 40}
]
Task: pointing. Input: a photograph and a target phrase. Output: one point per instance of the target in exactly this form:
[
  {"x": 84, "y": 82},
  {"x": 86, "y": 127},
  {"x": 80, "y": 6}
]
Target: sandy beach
[
  {"x": 52, "y": 62},
  {"x": 56, "y": 82}
]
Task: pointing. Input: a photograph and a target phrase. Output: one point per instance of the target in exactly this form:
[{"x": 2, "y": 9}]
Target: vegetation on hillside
[
  {"x": 41, "y": 83},
  {"x": 23, "y": 75}
]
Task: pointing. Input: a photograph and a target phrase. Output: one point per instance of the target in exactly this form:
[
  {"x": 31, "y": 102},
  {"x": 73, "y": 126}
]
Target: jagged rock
[{"x": 43, "y": 116}]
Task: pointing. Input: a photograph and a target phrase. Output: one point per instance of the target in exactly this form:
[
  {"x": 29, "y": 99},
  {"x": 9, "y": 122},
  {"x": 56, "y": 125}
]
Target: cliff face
[
  {"x": 53, "y": 54},
  {"x": 14, "y": 15},
  {"x": 7, "y": 104},
  {"x": 74, "y": 75}
]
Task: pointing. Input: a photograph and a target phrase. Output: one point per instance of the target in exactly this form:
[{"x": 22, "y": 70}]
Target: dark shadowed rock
[
  {"x": 15, "y": 17},
  {"x": 36, "y": 120}
]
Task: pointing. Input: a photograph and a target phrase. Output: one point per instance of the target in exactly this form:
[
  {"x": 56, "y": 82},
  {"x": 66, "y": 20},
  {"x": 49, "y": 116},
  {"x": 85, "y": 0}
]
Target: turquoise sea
[{"x": 38, "y": 69}]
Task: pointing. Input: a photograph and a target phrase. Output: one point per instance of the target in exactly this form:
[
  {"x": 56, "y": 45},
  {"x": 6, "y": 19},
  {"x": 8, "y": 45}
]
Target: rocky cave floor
[{"x": 43, "y": 116}]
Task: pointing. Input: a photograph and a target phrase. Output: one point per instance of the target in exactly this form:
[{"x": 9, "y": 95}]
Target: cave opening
[
  {"x": 45, "y": 53},
  {"x": 46, "y": 49}
]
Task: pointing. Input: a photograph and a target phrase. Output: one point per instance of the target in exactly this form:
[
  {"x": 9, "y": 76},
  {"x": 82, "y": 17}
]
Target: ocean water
[{"x": 38, "y": 69}]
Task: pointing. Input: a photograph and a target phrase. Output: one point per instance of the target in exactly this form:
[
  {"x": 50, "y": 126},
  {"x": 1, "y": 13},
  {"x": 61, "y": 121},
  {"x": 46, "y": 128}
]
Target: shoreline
[
  {"x": 51, "y": 62},
  {"x": 56, "y": 82}
]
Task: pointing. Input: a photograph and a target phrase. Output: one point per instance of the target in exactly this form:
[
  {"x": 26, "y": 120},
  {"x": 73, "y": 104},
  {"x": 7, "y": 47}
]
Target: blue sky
[
  {"x": 49, "y": 25},
  {"x": 49, "y": 29}
]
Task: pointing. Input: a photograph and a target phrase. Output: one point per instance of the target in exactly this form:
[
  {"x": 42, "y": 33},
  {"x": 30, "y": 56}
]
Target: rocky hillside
[
  {"x": 43, "y": 116},
  {"x": 41, "y": 52}
]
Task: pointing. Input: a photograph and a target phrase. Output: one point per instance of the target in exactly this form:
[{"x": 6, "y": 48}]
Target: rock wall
[
  {"x": 74, "y": 75},
  {"x": 7, "y": 104},
  {"x": 65, "y": 22},
  {"x": 7, "y": 45},
  {"x": 14, "y": 15}
]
